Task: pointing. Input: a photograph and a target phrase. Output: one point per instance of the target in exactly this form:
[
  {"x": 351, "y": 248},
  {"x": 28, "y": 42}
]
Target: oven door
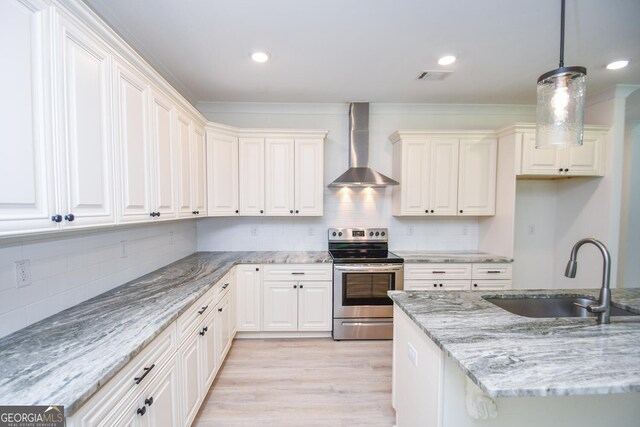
[{"x": 360, "y": 290}]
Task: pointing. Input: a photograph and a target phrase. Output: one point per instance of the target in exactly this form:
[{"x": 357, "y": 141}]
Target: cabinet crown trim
[{"x": 413, "y": 134}]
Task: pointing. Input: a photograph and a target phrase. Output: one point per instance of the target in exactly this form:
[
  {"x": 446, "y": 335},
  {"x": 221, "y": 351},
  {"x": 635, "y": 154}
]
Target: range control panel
[{"x": 358, "y": 234}]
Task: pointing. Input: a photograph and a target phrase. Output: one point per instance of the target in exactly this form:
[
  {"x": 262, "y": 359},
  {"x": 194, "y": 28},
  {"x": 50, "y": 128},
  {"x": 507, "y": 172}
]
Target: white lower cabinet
[
  {"x": 249, "y": 297},
  {"x": 457, "y": 276},
  {"x": 166, "y": 383},
  {"x": 299, "y": 300}
]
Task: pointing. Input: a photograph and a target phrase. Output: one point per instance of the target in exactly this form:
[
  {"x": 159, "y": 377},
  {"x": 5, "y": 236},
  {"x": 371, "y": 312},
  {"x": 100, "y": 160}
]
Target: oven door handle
[{"x": 368, "y": 267}]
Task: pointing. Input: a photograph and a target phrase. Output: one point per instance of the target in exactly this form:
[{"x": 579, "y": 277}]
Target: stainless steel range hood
[{"x": 359, "y": 173}]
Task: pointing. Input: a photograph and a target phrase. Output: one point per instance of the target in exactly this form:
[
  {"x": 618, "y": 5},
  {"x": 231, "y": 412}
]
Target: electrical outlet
[
  {"x": 254, "y": 231},
  {"x": 311, "y": 231},
  {"x": 171, "y": 237},
  {"x": 23, "y": 273},
  {"x": 465, "y": 230},
  {"x": 409, "y": 231},
  {"x": 412, "y": 354},
  {"x": 532, "y": 230},
  {"x": 123, "y": 248}
]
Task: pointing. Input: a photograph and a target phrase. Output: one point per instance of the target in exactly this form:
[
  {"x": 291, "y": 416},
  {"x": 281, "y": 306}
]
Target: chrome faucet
[{"x": 603, "y": 308}]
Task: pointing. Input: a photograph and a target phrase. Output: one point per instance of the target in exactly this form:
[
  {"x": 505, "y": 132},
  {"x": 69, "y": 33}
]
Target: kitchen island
[{"x": 461, "y": 361}]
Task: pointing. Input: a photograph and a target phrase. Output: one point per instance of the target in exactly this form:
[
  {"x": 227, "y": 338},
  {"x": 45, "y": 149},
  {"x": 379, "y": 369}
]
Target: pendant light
[{"x": 560, "y": 106}]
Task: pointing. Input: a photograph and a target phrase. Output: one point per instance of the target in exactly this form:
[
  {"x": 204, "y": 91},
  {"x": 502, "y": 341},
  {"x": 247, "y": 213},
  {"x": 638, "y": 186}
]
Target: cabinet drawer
[
  {"x": 124, "y": 385},
  {"x": 190, "y": 319},
  {"x": 437, "y": 271},
  {"x": 491, "y": 271},
  {"x": 222, "y": 287},
  {"x": 490, "y": 285},
  {"x": 436, "y": 285},
  {"x": 297, "y": 272}
]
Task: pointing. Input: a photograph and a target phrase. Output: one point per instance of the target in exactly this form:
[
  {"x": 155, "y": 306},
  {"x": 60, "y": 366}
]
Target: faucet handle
[{"x": 592, "y": 308}]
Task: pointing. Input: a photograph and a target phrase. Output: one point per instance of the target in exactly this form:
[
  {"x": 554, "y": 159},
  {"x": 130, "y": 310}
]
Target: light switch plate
[{"x": 23, "y": 273}]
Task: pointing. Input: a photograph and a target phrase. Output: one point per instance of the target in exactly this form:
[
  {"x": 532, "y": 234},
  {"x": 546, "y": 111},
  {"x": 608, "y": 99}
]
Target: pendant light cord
[{"x": 562, "y": 36}]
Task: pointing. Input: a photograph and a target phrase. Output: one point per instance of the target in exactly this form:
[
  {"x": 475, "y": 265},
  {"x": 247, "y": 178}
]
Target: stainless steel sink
[{"x": 553, "y": 306}]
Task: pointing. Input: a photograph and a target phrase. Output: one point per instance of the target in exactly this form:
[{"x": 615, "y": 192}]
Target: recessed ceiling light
[
  {"x": 616, "y": 65},
  {"x": 447, "y": 60},
  {"x": 260, "y": 57}
]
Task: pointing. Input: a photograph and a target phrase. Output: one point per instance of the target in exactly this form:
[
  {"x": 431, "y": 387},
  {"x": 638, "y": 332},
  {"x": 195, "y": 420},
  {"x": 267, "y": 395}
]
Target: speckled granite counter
[
  {"x": 452, "y": 256},
  {"x": 507, "y": 355},
  {"x": 67, "y": 357}
]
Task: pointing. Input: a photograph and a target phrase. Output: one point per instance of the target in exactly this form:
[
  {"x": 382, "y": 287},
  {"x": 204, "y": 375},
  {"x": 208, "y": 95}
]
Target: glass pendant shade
[{"x": 560, "y": 107}]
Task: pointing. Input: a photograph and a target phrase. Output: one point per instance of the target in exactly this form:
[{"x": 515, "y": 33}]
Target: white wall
[
  {"x": 629, "y": 274},
  {"x": 68, "y": 270},
  {"x": 353, "y": 207}
]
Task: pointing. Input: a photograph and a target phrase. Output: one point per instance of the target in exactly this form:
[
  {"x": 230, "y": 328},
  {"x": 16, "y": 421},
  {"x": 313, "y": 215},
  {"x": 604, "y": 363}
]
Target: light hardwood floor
[{"x": 302, "y": 382}]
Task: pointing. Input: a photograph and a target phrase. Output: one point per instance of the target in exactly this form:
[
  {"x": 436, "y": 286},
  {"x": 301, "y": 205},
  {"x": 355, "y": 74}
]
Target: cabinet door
[
  {"x": 490, "y": 285},
  {"x": 443, "y": 176},
  {"x": 477, "y": 182},
  {"x": 441, "y": 285},
  {"x": 163, "y": 411},
  {"x": 280, "y": 308},
  {"x": 85, "y": 150},
  {"x": 27, "y": 195},
  {"x": 278, "y": 176},
  {"x": 314, "y": 306},
  {"x": 209, "y": 351},
  {"x": 198, "y": 171},
  {"x": 249, "y": 298},
  {"x": 222, "y": 174},
  {"x": 183, "y": 174},
  {"x": 414, "y": 184},
  {"x": 309, "y": 186},
  {"x": 540, "y": 161},
  {"x": 190, "y": 363},
  {"x": 223, "y": 328},
  {"x": 251, "y": 171},
  {"x": 133, "y": 157},
  {"x": 164, "y": 169},
  {"x": 585, "y": 160}
]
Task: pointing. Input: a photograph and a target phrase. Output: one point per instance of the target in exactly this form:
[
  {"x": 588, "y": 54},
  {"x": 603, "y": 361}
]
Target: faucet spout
[{"x": 603, "y": 308}]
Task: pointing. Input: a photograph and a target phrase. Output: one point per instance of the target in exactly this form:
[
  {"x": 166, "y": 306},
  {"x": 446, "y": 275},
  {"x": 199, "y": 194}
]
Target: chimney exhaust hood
[{"x": 359, "y": 173}]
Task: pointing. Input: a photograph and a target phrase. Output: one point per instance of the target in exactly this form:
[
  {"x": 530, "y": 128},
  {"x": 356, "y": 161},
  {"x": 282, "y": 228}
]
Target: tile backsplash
[
  {"x": 369, "y": 207},
  {"x": 68, "y": 270}
]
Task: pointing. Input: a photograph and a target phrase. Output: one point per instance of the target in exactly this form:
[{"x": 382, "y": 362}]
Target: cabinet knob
[
  {"x": 435, "y": 285},
  {"x": 297, "y": 211},
  {"x": 566, "y": 169},
  {"x": 440, "y": 285},
  {"x": 257, "y": 269},
  {"x": 291, "y": 211},
  {"x": 560, "y": 170},
  {"x": 142, "y": 411},
  {"x": 220, "y": 309},
  {"x": 69, "y": 217},
  {"x": 426, "y": 211},
  {"x": 295, "y": 286},
  {"x": 431, "y": 210},
  {"x": 194, "y": 212},
  {"x": 475, "y": 285},
  {"x": 149, "y": 401},
  {"x": 157, "y": 213},
  {"x": 461, "y": 211},
  {"x": 56, "y": 218},
  {"x": 301, "y": 286}
]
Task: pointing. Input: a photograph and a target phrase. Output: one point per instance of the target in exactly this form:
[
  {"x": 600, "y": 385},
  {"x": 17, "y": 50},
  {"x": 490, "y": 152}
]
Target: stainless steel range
[{"x": 363, "y": 271}]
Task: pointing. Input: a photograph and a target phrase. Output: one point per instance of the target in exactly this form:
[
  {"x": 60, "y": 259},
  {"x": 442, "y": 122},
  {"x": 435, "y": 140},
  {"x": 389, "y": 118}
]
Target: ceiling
[{"x": 373, "y": 50}]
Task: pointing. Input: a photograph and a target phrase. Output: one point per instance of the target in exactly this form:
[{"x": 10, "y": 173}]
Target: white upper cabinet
[
  {"x": 444, "y": 173},
  {"x": 164, "y": 154},
  {"x": 198, "y": 170},
  {"x": 584, "y": 160},
  {"x": 477, "y": 178},
  {"x": 183, "y": 145},
  {"x": 308, "y": 179},
  {"x": 222, "y": 174},
  {"x": 279, "y": 176},
  {"x": 27, "y": 196},
  {"x": 85, "y": 147},
  {"x": 251, "y": 174},
  {"x": 132, "y": 142}
]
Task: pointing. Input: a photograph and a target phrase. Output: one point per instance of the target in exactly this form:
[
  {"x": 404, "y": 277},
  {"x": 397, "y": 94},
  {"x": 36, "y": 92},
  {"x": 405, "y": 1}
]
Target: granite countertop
[
  {"x": 66, "y": 358},
  {"x": 451, "y": 256},
  {"x": 508, "y": 355}
]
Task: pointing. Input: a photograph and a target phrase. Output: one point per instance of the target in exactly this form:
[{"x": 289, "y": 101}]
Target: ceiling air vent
[{"x": 433, "y": 75}]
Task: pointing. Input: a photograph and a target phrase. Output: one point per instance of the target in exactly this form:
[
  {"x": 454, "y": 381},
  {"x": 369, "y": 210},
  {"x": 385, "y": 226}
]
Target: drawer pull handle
[
  {"x": 149, "y": 401},
  {"x": 203, "y": 309},
  {"x": 138, "y": 380},
  {"x": 225, "y": 286},
  {"x": 297, "y": 273},
  {"x": 203, "y": 331},
  {"x": 438, "y": 272},
  {"x": 142, "y": 411},
  {"x": 493, "y": 271}
]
